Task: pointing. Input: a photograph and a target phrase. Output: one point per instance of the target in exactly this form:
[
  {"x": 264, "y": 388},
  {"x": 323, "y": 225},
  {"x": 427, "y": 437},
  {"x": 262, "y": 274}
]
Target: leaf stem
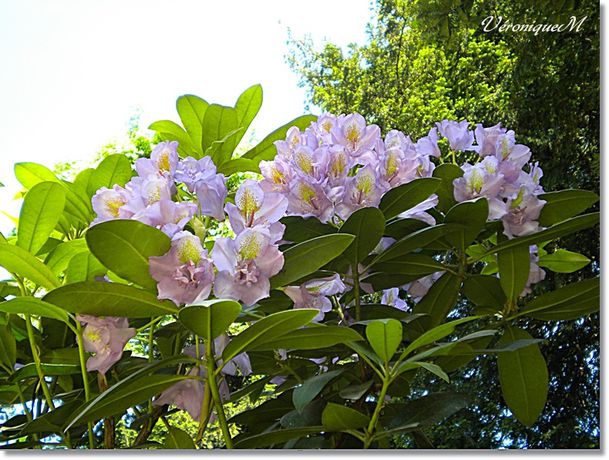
[
  {"x": 205, "y": 413},
  {"x": 35, "y": 355},
  {"x": 215, "y": 393},
  {"x": 377, "y": 412},
  {"x": 85, "y": 377}
]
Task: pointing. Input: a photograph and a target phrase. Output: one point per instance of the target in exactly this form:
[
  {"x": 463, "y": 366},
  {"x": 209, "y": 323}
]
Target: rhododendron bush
[{"x": 313, "y": 277}]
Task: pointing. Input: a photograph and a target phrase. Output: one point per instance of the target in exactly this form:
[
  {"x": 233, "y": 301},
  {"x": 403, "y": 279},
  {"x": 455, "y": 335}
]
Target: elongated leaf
[
  {"x": 267, "y": 329},
  {"x": 564, "y": 204},
  {"x": 400, "y": 228},
  {"x": 569, "y": 302},
  {"x": 210, "y": 318},
  {"x": 484, "y": 291},
  {"x": 514, "y": 267},
  {"x": 84, "y": 266},
  {"x": 556, "y": 231},
  {"x": 99, "y": 298},
  {"x": 308, "y": 256},
  {"x": 448, "y": 173},
  {"x": 178, "y": 439},
  {"x": 171, "y": 131},
  {"x": 311, "y": 338},
  {"x": 407, "y": 196},
  {"x": 22, "y": 263},
  {"x": 524, "y": 377},
  {"x": 113, "y": 170},
  {"x": 191, "y": 110},
  {"x": 33, "y": 306},
  {"x": 125, "y": 246},
  {"x": 439, "y": 300},
  {"x": 8, "y": 346},
  {"x": 218, "y": 122},
  {"x": 563, "y": 261},
  {"x": 435, "y": 334},
  {"x": 410, "y": 264},
  {"x": 40, "y": 212},
  {"x": 61, "y": 255},
  {"x": 29, "y": 371},
  {"x": 30, "y": 174},
  {"x": 336, "y": 417},
  {"x": 367, "y": 226},
  {"x": 430, "y": 367},
  {"x": 299, "y": 229},
  {"x": 266, "y": 150},
  {"x": 471, "y": 215},
  {"x": 237, "y": 165},
  {"x": 385, "y": 337},
  {"x": 275, "y": 437},
  {"x": 247, "y": 106},
  {"x": 311, "y": 387}
]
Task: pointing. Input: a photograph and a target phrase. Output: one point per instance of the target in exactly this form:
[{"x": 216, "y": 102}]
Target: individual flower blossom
[
  {"x": 534, "y": 179},
  {"x": 536, "y": 273},
  {"x": 106, "y": 337},
  {"x": 512, "y": 157},
  {"x": 486, "y": 138},
  {"x": 245, "y": 265},
  {"x": 391, "y": 297},
  {"x": 523, "y": 214},
  {"x": 191, "y": 171},
  {"x": 400, "y": 161},
  {"x": 362, "y": 190},
  {"x": 428, "y": 146},
  {"x": 308, "y": 199},
  {"x": 185, "y": 274},
  {"x": 384, "y": 243},
  {"x": 482, "y": 180},
  {"x": 109, "y": 204},
  {"x": 418, "y": 288},
  {"x": 351, "y": 132},
  {"x": 187, "y": 395},
  {"x": 458, "y": 134},
  {"x": 338, "y": 164},
  {"x": 211, "y": 194},
  {"x": 313, "y": 294},
  {"x": 254, "y": 207},
  {"x": 418, "y": 212},
  {"x": 163, "y": 161},
  {"x": 277, "y": 175},
  {"x": 143, "y": 193},
  {"x": 323, "y": 127},
  {"x": 172, "y": 216}
]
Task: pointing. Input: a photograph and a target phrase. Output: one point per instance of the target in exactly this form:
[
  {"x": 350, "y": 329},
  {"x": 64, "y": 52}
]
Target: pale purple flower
[
  {"x": 362, "y": 190},
  {"x": 391, "y": 297},
  {"x": 144, "y": 192},
  {"x": 186, "y": 394},
  {"x": 523, "y": 215},
  {"x": 399, "y": 164},
  {"x": 185, "y": 274},
  {"x": 351, "y": 132},
  {"x": 308, "y": 199},
  {"x": 109, "y": 204},
  {"x": 211, "y": 194},
  {"x": 384, "y": 243},
  {"x": 163, "y": 161},
  {"x": 428, "y": 145},
  {"x": 105, "y": 337},
  {"x": 418, "y": 288},
  {"x": 418, "y": 212},
  {"x": 169, "y": 216},
  {"x": 536, "y": 273},
  {"x": 255, "y": 207},
  {"x": 245, "y": 265},
  {"x": 313, "y": 294},
  {"x": 458, "y": 134},
  {"x": 512, "y": 157},
  {"x": 191, "y": 171},
  {"x": 277, "y": 175},
  {"x": 486, "y": 138}
]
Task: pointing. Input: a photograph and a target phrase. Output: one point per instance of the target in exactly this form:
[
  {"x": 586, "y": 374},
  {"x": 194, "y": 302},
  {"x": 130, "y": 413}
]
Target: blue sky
[{"x": 74, "y": 71}]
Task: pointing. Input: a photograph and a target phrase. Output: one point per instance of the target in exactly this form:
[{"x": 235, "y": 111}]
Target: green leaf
[
  {"x": 59, "y": 258},
  {"x": 309, "y": 256},
  {"x": 275, "y": 437},
  {"x": 524, "y": 377},
  {"x": 564, "y": 204},
  {"x": 385, "y": 336},
  {"x": 556, "y": 231},
  {"x": 33, "y": 306},
  {"x": 299, "y": 229},
  {"x": 218, "y": 122},
  {"x": 407, "y": 196},
  {"x": 355, "y": 391},
  {"x": 267, "y": 329},
  {"x": 191, "y": 110},
  {"x": 247, "y": 106},
  {"x": 8, "y": 346},
  {"x": 569, "y": 302},
  {"x": 266, "y": 150},
  {"x": 125, "y": 246},
  {"x": 367, "y": 226},
  {"x": 484, "y": 291},
  {"x": 435, "y": 334},
  {"x": 336, "y": 417},
  {"x": 471, "y": 215},
  {"x": 430, "y": 367},
  {"x": 84, "y": 266},
  {"x": 40, "y": 212},
  {"x": 311, "y": 387},
  {"x": 448, "y": 172},
  {"x": 439, "y": 300},
  {"x": 29, "y": 371},
  {"x": 563, "y": 261},
  {"x": 210, "y": 318},
  {"x": 237, "y": 165},
  {"x": 178, "y": 439},
  {"x": 20, "y": 262},
  {"x": 410, "y": 264},
  {"x": 30, "y": 174},
  {"x": 99, "y": 298},
  {"x": 400, "y": 228},
  {"x": 171, "y": 131},
  {"x": 514, "y": 266},
  {"x": 113, "y": 170},
  {"x": 311, "y": 338}
]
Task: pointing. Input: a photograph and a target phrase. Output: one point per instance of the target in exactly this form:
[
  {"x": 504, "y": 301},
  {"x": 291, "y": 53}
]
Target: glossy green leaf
[
  {"x": 484, "y": 291},
  {"x": 266, "y": 329},
  {"x": 33, "y": 306},
  {"x": 430, "y": 367},
  {"x": 407, "y": 196},
  {"x": 299, "y": 229},
  {"x": 415, "y": 240},
  {"x": 178, "y": 439},
  {"x": 84, "y": 266},
  {"x": 40, "y": 213},
  {"x": 472, "y": 216},
  {"x": 410, "y": 264},
  {"x": 564, "y": 204},
  {"x": 384, "y": 336},
  {"x": 337, "y": 417},
  {"x": 271, "y": 438},
  {"x": 448, "y": 172},
  {"x": 29, "y": 371},
  {"x": 30, "y": 174},
  {"x": 563, "y": 261},
  {"x": 20, "y": 262},
  {"x": 171, "y": 131},
  {"x": 309, "y": 256},
  {"x": 113, "y": 170},
  {"x": 435, "y": 334},
  {"x": 247, "y": 107},
  {"x": 125, "y": 246},
  {"x": 524, "y": 377},
  {"x": 311, "y": 387},
  {"x": 99, "y": 298},
  {"x": 61, "y": 255},
  {"x": 514, "y": 265},
  {"x": 8, "y": 346},
  {"x": 237, "y": 165},
  {"x": 218, "y": 122},
  {"x": 367, "y": 226},
  {"x": 569, "y": 302},
  {"x": 439, "y": 300},
  {"x": 210, "y": 318},
  {"x": 311, "y": 338},
  {"x": 191, "y": 110},
  {"x": 400, "y": 228}
]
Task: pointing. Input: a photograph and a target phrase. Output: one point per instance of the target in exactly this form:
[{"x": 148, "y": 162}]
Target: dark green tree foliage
[{"x": 430, "y": 60}]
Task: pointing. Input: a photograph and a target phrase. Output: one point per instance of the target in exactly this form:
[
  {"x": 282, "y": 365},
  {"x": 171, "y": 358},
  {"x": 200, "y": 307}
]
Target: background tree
[{"x": 429, "y": 60}]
